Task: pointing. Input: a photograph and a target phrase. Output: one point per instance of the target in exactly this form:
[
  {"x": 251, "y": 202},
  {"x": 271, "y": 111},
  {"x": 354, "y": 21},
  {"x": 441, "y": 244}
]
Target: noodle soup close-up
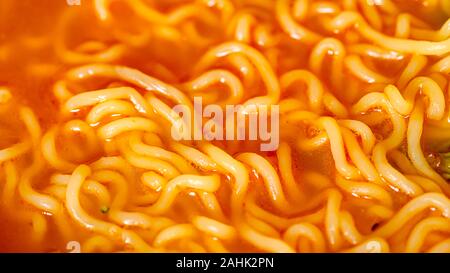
[{"x": 290, "y": 126}]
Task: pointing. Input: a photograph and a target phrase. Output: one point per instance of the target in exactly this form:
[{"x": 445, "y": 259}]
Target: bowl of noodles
[{"x": 225, "y": 126}]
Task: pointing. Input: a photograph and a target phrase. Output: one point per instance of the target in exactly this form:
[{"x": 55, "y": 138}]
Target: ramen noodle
[{"x": 102, "y": 148}]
